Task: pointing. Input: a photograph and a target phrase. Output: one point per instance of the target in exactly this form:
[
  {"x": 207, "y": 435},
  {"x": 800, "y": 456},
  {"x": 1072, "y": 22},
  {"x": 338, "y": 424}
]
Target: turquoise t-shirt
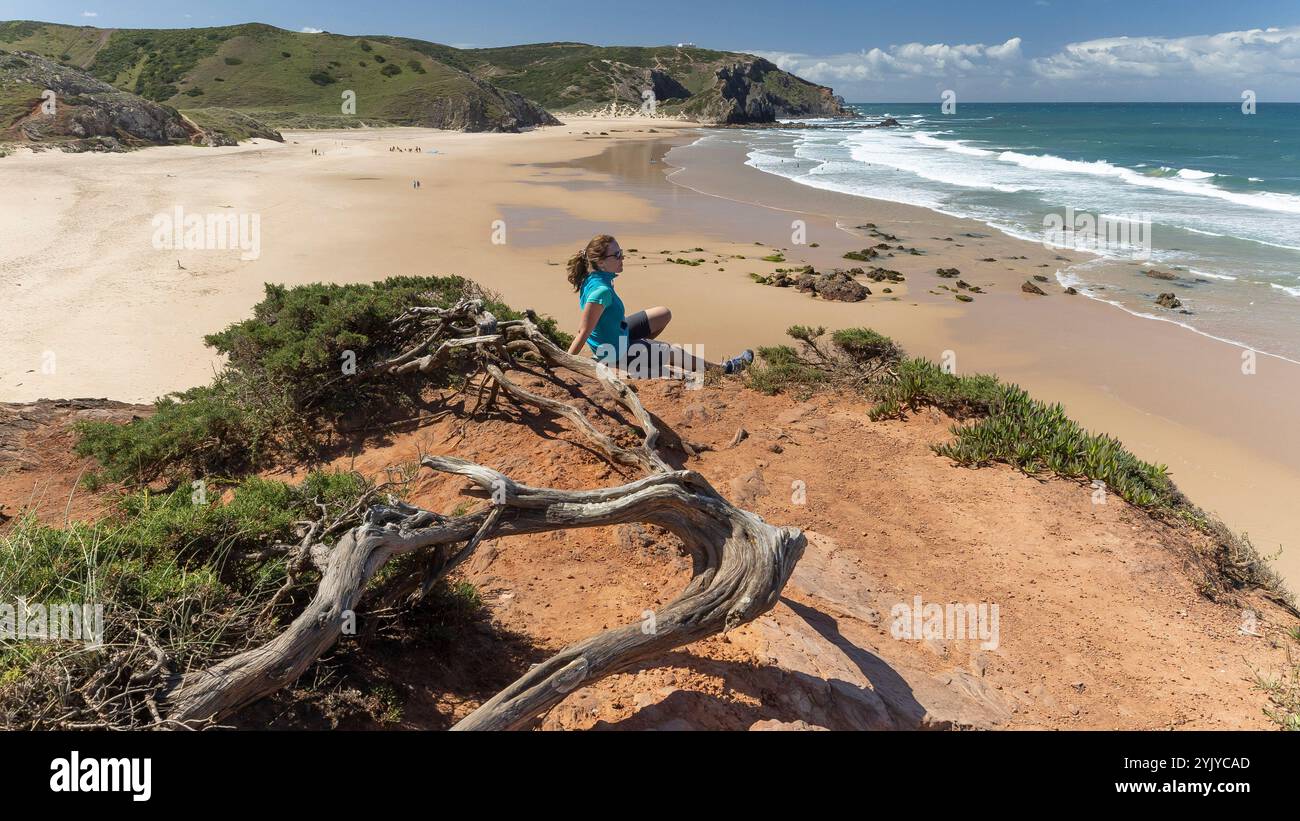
[{"x": 598, "y": 287}]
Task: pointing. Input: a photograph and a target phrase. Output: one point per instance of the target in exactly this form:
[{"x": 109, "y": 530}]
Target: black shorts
[
  {"x": 638, "y": 347},
  {"x": 637, "y": 326}
]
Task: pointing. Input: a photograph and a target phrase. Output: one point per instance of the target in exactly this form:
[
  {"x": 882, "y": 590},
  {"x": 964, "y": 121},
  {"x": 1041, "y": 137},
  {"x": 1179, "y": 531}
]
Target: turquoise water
[{"x": 1215, "y": 191}]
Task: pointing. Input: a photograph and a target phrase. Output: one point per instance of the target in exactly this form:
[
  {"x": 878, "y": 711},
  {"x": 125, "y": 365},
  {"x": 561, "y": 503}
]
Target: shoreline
[
  {"x": 1241, "y": 472},
  {"x": 116, "y": 312}
]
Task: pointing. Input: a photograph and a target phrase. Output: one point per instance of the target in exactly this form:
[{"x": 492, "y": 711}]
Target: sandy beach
[{"x": 95, "y": 309}]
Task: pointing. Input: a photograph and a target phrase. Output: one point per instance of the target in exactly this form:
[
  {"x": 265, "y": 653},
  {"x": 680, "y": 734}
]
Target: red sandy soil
[
  {"x": 1103, "y": 622},
  {"x": 38, "y": 471}
]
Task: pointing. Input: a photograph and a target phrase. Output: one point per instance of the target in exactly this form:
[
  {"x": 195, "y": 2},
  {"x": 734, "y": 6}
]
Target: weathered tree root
[
  {"x": 740, "y": 566},
  {"x": 740, "y": 563}
]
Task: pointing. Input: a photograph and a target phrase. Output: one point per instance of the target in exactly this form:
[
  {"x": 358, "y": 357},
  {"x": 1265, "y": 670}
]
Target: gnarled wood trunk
[{"x": 740, "y": 563}]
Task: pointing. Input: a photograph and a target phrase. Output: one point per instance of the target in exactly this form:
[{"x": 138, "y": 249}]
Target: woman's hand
[{"x": 590, "y": 316}]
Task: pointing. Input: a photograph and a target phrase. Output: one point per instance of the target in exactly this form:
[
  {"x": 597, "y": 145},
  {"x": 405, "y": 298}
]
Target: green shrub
[
  {"x": 864, "y": 345},
  {"x": 156, "y": 564},
  {"x": 203, "y": 430},
  {"x": 233, "y": 61},
  {"x": 284, "y": 385},
  {"x": 1035, "y": 437},
  {"x": 779, "y": 368},
  {"x": 390, "y": 70},
  {"x": 920, "y": 382}
]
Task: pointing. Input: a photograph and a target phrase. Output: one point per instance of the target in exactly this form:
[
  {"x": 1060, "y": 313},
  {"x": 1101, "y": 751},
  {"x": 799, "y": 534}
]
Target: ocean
[{"x": 1204, "y": 191}]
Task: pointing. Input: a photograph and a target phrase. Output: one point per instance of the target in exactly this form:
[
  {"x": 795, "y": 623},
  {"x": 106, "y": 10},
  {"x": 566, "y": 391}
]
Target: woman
[{"x": 616, "y": 338}]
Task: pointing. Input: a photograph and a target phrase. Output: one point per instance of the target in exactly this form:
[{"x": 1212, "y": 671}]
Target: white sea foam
[
  {"x": 897, "y": 153},
  {"x": 955, "y": 146},
  {"x": 1287, "y": 203}
]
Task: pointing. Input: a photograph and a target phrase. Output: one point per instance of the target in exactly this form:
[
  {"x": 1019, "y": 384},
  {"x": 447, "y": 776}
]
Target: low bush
[
  {"x": 1003, "y": 423},
  {"x": 182, "y": 573},
  {"x": 295, "y": 370}
]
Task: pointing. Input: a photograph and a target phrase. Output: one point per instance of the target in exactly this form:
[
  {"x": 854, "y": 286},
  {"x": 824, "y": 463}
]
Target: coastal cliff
[
  {"x": 712, "y": 87},
  {"x": 85, "y": 113},
  {"x": 756, "y": 91}
]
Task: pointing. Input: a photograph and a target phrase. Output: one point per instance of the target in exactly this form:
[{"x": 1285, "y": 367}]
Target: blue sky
[{"x": 887, "y": 50}]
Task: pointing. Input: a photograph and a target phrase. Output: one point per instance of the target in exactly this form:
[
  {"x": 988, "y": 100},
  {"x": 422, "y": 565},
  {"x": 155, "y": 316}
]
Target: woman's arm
[{"x": 590, "y": 315}]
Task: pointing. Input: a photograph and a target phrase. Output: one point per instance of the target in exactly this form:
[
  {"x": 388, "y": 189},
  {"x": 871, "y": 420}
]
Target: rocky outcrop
[
  {"x": 492, "y": 109},
  {"x": 84, "y": 111},
  {"x": 837, "y": 285},
  {"x": 1030, "y": 288},
  {"x": 87, "y": 114},
  {"x": 757, "y": 91},
  {"x": 20, "y": 420},
  {"x": 1168, "y": 300}
]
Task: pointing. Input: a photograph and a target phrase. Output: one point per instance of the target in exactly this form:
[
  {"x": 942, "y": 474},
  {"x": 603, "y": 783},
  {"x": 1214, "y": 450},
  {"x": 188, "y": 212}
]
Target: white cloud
[
  {"x": 310, "y": 30},
  {"x": 900, "y": 61},
  {"x": 90, "y": 14},
  {"x": 1229, "y": 55},
  {"x": 1201, "y": 66}
]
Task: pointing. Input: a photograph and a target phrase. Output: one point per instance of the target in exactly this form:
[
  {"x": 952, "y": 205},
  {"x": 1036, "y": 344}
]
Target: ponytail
[{"x": 581, "y": 264}]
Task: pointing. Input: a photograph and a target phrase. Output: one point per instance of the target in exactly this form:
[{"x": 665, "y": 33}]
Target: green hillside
[
  {"x": 567, "y": 76},
  {"x": 286, "y": 78},
  {"x": 266, "y": 71}
]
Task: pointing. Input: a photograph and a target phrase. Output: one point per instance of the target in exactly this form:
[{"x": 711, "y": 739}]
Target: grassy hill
[
  {"x": 290, "y": 78},
  {"x": 277, "y": 75},
  {"x": 696, "y": 81}
]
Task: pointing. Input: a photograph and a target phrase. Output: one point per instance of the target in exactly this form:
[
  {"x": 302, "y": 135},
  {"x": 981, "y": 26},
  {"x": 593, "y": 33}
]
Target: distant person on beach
[{"x": 616, "y": 338}]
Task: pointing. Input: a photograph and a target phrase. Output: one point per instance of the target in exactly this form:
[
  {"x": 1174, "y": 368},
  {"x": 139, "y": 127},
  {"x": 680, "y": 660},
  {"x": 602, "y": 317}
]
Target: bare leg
[{"x": 659, "y": 317}]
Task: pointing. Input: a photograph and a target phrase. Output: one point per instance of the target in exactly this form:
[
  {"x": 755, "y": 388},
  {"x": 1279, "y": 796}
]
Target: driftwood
[{"x": 740, "y": 563}]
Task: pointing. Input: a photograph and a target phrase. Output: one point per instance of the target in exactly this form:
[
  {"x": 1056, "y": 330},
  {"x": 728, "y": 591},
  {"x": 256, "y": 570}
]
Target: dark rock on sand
[
  {"x": 863, "y": 255},
  {"x": 1168, "y": 300},
  {"x": 836, "y": 285},
  {"x": 880, "y": 274},
  {"x": 1030, "y": 288}
]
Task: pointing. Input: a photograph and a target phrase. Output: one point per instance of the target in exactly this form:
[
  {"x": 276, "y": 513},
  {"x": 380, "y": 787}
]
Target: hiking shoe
[{"x": 736, "y": 364}]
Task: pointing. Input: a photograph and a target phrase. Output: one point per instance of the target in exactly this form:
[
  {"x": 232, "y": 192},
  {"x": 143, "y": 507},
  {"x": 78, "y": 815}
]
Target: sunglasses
[{"x": 616, "y": 255}]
